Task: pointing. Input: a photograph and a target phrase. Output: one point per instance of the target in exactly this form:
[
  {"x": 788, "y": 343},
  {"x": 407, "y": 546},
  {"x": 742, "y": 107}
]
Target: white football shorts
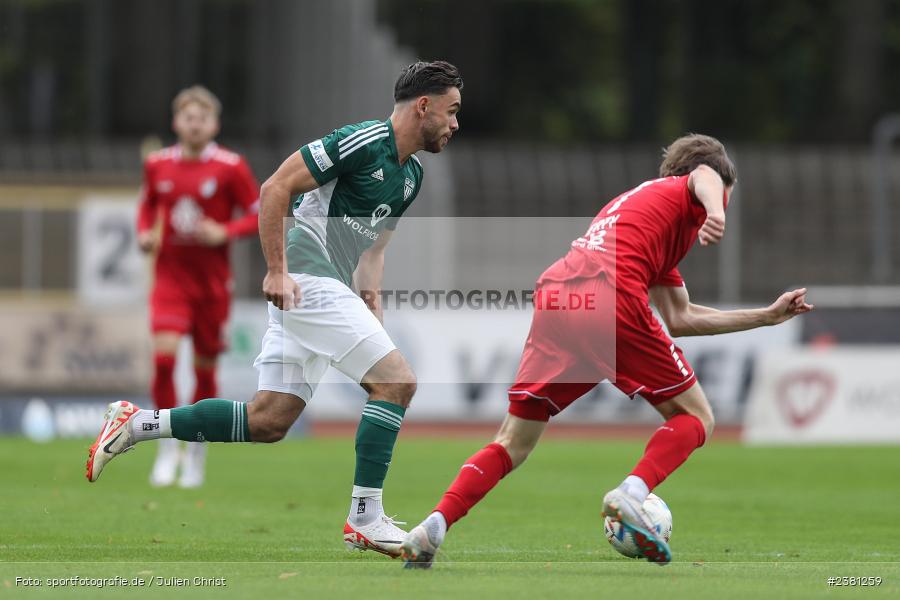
[{"x": 331, "y": 327}]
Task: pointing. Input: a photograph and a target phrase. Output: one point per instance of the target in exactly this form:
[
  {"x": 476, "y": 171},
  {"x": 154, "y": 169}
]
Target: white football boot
[
  {"x": 421, "y": 545},
  {"x": 165, "y": 468},
  {"x": 620, "y": 506},
  {"x": 193, "y": 465},
  {"x": 381, "y": 535},
  {"x": 114, "y": 439}
]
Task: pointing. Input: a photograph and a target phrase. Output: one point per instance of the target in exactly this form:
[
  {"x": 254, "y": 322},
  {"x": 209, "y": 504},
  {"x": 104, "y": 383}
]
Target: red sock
[
  {"x": 206, "y": 383},
  {"x": 669, "y": 446},
  {"x": 163, "y": 387},
  {"x": 477, "y": 477}
]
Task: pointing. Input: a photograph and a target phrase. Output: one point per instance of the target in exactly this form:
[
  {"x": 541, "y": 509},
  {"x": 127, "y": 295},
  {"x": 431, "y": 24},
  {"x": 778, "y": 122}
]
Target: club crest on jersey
[
  {"x": 208, "y": 187},
  {"x": 165, "y": 186},
  {"x": 408, "y": 187},
  {"x": 380, "y": 213},
  {"x": 185, "y": 215}
]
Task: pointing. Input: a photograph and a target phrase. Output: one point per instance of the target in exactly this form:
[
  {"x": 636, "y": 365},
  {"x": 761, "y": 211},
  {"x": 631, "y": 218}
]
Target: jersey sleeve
[
  {"x": 245, "y": 194},
  {"x": 671, "y": 279},
  {"x": 147, "y": 202},
  {"x": 344, "y": 150}
]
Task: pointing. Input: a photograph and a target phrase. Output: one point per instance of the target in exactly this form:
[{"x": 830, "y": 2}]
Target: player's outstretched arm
[
  {"x": 708, "y": 188},
  {"x": 291, "y": 178},
  {"x": 683, "y": 318},
  {"x": 789, "y": 305}
]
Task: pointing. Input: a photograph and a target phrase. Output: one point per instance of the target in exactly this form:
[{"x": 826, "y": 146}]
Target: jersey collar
[
  {"x": 205, "y": 155},
  {"x": 394, "y": 151}
]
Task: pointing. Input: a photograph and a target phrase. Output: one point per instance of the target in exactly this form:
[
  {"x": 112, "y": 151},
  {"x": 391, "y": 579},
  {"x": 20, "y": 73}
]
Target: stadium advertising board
[
  {"x": 71, "y": 350},
  {"x": 840, "y": 395},
  {"x": 111, "y": 270},
  {"x": 465, "y": 360},
  {"x": 43, "y": 418}
]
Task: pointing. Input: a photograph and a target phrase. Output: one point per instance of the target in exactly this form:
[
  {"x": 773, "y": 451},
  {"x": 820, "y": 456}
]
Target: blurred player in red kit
[
  {"x": 592, "y": 321},
  {"x": 190, "y": 193}
]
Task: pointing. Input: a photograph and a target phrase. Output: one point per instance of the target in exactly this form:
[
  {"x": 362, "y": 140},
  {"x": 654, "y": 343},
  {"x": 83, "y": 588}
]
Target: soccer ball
[{"x": 621, "y": 539}]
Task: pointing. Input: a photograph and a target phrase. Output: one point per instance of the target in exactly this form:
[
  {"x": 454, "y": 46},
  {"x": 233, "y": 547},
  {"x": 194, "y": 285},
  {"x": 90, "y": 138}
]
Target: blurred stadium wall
[{"x": 86, "y": 91}]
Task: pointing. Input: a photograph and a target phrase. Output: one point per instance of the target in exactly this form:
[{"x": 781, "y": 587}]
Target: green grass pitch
[{"x": 748, "y": 523}]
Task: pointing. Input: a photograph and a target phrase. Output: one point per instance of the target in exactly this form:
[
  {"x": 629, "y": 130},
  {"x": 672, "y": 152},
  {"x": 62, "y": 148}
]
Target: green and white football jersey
[{"x": 363, "y": 191}]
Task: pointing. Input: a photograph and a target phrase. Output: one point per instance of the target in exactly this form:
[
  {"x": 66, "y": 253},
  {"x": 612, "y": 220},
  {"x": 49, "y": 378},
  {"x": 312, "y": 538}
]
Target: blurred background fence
[{"x": 801, "y": 215}]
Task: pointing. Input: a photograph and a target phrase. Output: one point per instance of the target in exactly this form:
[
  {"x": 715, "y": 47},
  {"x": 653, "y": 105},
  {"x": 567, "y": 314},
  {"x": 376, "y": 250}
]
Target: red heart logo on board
[{"x": 803, "y": 396}]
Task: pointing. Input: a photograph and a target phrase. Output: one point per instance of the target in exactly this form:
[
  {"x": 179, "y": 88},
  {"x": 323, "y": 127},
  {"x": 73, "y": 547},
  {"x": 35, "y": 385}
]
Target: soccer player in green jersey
[{"x": 346, "y": 191}]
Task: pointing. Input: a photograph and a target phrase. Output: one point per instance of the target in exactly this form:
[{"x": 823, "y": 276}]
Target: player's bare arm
[
  {"x": 291, "y": 178},
  {"x": 708, "y": 188},
  {"x": 682, "y": 318},
  {"x": 369, "y": 272},
  {"x": 149, "y": 230}
]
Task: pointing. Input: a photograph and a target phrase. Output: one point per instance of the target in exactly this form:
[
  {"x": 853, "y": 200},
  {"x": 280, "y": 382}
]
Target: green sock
[
  {"x": 375, "y": 439},
  {"x": 211, "y": 420}
]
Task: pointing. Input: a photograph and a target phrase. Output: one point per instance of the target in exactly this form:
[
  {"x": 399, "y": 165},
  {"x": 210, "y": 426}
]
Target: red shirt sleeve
[
  {"x": 671, "y": 279},
  {"x": 245, "y": 193},
  {"x": 147, "y": 205}
]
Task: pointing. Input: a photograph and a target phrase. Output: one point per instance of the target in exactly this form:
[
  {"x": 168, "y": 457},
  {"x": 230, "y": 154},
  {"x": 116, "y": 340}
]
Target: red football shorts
[
  {"x": 610, "y": 336},
  {"x": 203, "y": 318}
]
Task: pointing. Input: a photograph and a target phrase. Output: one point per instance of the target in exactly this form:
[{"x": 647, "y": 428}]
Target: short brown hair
[
  {"x": 426, "y": 78},
  {"x": 198, "y": 94},
  {"x": 690, "y": 151}
]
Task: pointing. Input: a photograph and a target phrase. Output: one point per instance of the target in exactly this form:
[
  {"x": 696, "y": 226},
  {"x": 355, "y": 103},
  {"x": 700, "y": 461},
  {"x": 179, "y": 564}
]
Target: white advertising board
[
  {"x": 466, "y": 359},
  {"x": 111, "y": 270},
  {"x": 45, "y": 347},
  {"x": 841, "y": 395}
]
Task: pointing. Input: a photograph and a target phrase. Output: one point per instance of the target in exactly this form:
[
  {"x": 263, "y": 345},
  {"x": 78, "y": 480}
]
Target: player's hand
[
  {"x": 210, "y": 232},
  {"x": 713, "y": 229},
  {"x": 148, "y": 241},
  {"x": 789, "y": 305},
  {"x": 281, "y": 290}
]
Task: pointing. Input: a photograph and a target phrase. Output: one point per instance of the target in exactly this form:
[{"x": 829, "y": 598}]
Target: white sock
[
  {"x": 365, "y": 505},
  {"x": 436, "y": 527},
  {"x": 168, "y": 448},
  {"x": 151, "y": 425},
  {"x": 635, "y": 487}
]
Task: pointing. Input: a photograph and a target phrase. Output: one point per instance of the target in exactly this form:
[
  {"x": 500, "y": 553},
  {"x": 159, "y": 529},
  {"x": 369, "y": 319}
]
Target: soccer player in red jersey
[
  {"x": 190, "y": 193},
  {"x": 592, "y": 321}
]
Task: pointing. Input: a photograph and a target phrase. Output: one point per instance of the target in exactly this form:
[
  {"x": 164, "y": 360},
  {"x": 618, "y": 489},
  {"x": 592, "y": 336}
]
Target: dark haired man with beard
[{"x": 346, "y": 190}]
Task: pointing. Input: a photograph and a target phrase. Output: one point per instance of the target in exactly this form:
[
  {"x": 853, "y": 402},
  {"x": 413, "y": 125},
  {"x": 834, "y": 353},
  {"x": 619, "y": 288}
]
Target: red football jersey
[
  {"x": 181, "y": 192},
  {"x": 638, "y": 239}
]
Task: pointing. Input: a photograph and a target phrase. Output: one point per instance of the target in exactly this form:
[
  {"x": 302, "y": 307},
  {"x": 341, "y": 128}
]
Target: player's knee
[
  {"x": 268, "y": 431},
  {"x": 205, "y": 361},
  {"x": 407, "y": 390},
  {"x": 518, "y": 449},
  {"x": 400, "y": 390},
  {"x": 517, "y": 455},
  {"x": 268, "y": 419},
  {"x": 706, "y": 418}
]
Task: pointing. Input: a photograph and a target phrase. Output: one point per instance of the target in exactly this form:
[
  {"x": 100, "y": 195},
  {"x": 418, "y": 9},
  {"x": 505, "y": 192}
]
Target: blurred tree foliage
[
  {"x": 579, "y": 70},
  {"x": 102, "y": 67},
  {"x": 558, "y": 70}
]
